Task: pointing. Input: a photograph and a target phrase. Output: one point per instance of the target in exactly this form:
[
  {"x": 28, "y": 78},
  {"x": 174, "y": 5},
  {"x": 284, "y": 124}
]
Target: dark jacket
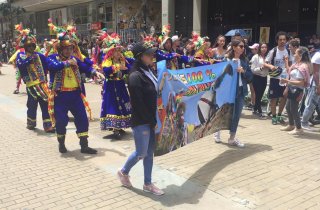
[
  {"x": 246, "y": 77},
  {"x": 143, "y": 95}
]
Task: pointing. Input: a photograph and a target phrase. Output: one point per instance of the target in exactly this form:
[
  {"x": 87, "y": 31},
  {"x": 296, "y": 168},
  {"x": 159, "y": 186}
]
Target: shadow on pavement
[
  {"x": 84, "y": 157},
  {"x": 315, "y": 135},
  {"x": 193, "y": 189}
]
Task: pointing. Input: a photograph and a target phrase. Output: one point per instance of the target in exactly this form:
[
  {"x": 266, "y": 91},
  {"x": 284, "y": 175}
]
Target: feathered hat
[
  {"x": 112, "y": 42},
  {"x": 148, "y": 40},
  {"x": 24, "y": 36},
  {"x": 164, "y": 36},
  {"x": 66, "y": 36},
  {"x": 197, "y": 40},
  {"x": 199, "y": 44}
]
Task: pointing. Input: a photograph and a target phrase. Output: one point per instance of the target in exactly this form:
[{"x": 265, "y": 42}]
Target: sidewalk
[{"x": 274, "y": 171}]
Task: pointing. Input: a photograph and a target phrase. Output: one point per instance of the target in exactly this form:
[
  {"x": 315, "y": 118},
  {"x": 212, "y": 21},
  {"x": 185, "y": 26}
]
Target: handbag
[{"x": 295, "y": 93}]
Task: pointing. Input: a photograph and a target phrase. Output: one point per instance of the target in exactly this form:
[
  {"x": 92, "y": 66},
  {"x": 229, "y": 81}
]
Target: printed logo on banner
[{"x": 193, "y": 103}]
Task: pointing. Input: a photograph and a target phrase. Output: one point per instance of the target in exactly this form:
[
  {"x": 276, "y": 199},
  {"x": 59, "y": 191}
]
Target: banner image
[{"x": 193, "y": 103}]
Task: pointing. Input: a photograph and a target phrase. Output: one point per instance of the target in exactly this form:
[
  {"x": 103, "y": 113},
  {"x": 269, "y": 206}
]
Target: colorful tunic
[
  {"x": 33, "y": 70},
  {"x": 65, "y": 82},
  {"x": 173, "y": 62},
  {"x": 116, "y": 107}
]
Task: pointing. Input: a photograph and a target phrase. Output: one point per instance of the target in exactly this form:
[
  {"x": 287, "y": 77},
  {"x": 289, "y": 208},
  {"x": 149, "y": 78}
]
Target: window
[
  {"x": 80, "y": 14},
  {"x": 108, "y": 13}
]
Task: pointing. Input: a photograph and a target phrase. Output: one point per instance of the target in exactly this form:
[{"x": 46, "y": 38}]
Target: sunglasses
[{"x": 241, "y": 46}]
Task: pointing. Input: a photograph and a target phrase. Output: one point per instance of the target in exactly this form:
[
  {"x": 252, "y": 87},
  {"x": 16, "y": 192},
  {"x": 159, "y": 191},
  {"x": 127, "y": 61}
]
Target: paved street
[{"x": 274, "y": 171}]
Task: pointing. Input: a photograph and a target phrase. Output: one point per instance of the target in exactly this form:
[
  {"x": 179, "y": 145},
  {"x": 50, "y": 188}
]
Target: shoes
[
  {"x": 85, "y": 148},
  {"x": 117, "y": 134},
  {"x": 122, "y": 132},
  {"x": 124, "y": 179},
  {"x": 250, "y": 106},
  {"x": 296, "y": 132},
  {"x": 31, "y": 127},
  {"x": 235, "y": 143},
  {"x": 50, "y": 130},
  {"x": 62, "y": 146},
  {"x": 287, "y": 128},
  {"x": 16, "y": 92},
  {"x": 151, "y": 188},
  {"x": 280, "y": 120},
  {"x": 306, "y": 127},
  {"x": 217, "y": 137},
  {"x": 274, "y": 121}
]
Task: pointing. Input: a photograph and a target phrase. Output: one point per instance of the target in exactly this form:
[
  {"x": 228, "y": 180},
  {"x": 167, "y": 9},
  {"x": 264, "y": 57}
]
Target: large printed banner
[{"x": 193, "y": 103}]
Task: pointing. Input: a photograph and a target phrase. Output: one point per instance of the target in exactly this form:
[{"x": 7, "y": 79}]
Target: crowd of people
[{"x": 55, "y": 72}]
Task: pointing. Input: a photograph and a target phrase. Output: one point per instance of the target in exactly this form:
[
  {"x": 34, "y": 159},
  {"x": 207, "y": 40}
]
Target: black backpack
[{"x": 275, "y": 54}]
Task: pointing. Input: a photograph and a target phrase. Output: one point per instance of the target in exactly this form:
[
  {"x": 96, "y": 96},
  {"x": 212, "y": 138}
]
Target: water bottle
[{"x": 282, "y": 76}]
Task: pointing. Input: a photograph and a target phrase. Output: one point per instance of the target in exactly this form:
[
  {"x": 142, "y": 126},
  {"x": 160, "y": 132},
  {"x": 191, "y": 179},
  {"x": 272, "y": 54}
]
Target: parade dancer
[
  {"x": 165, "y": 52},
  {"x": 65, "y": 75},
  {"x": 32, "y": 67},
  {"x": 202, "y": 50},
  {"x": 13, "y": 61},
  {"x": 116, "y": 108}
]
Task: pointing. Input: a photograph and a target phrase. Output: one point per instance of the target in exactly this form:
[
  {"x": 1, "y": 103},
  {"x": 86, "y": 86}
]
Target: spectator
[
  {"x": 260, "y": 74},
  {"x": 313, "y": 97},
  {"x": 130, "y": 44},
  {"x": 294, "y": 44},
  {"x": 275, "y": 61},
  {"x": 254, "y": 50},
  {"x": 299, "y": 79},
  {"x": 220, "y": 48},
  {"x": 314, "y": 41}
]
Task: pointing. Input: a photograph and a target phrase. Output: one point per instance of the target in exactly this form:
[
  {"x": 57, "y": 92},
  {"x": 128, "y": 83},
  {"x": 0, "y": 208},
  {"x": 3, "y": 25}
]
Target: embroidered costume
[
  {"x": 173, "y": 60},
  {"x": 66, "y": 85},
  {"x": 33, "y": 67},
  {"x": 116, "y": 107}
]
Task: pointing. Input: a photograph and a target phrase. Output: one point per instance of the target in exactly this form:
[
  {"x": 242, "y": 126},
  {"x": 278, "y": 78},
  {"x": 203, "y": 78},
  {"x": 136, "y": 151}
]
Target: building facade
[
  {"x": 128, "y": 18},
  {"x": 260, "y": 18}
]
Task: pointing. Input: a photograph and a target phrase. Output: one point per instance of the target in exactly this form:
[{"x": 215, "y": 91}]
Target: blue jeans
[
  {"x": 144, "y": 138},
  {"x": 238, "y": 106},
  {"x": 311, "y": 102}
]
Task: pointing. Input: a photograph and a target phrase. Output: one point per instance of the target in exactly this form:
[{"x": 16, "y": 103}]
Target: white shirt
[
  {"x": 278, "y": 60},
  {"x": 295, "y": 75},
  {"x": 239, "y": 64},
  {"x": 316, "y": 60},
  {"x": 257, "y": 66}
]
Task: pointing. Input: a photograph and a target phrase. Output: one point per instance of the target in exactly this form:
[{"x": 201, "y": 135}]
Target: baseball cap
[
  {"x": 254, "y": 46},
  {"x": 140, "y": 48}
]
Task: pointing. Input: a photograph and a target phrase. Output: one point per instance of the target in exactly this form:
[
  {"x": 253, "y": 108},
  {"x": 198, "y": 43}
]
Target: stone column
[
  {"x": 197, "y": 15},
  {"x": 168, "y": 13}
]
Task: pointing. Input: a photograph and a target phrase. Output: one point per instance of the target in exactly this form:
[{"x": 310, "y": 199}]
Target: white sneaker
[
  {"x": 217, "y": 137},
  {"x": 296, "y": 132},
  {"x": 235, "y": 143},
  {"x": 306, "y": 127}
]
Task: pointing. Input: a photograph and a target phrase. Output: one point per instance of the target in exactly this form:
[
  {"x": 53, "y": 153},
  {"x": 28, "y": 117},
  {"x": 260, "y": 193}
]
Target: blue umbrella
[{"x": 233, "y": 32}]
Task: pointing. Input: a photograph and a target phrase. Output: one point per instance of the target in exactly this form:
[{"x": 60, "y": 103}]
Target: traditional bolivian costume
[
  {"x": 171, "y": 58},
  {"x": 67, "y": 91},
  {"x": 33, "y": 70},
  {"x": 116, "y": 107}
]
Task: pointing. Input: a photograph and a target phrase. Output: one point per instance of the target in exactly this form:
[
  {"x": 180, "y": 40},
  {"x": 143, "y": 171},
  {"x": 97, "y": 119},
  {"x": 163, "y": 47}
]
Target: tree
[{"x": 7, "y": 12}]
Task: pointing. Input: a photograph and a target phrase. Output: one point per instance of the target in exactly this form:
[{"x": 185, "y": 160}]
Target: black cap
[{"x": 140, "y": 48}]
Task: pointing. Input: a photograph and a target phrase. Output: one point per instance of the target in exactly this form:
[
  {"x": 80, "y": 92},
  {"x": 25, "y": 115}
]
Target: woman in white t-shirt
[
  {"x": 260, "y": 74},
  {"x": 299, "y": 78}
]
